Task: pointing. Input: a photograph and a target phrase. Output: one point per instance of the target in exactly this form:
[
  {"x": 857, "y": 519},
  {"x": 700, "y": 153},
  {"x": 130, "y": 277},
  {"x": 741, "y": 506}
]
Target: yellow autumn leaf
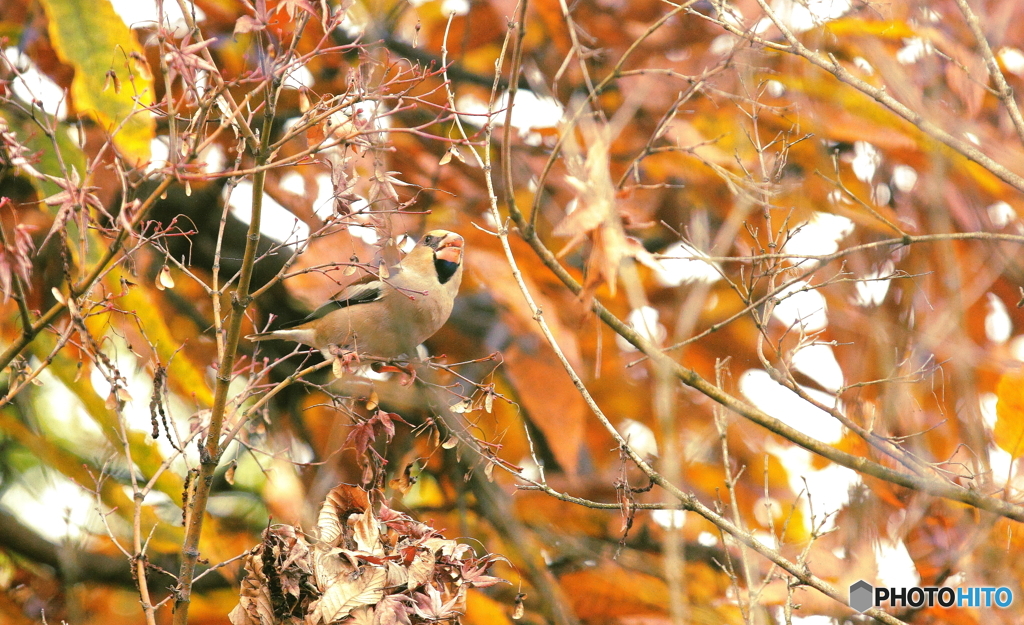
[
  {"x": 183, "y": 372},
  {"x": 1009, "y": 429},
  {"x": 860, "y": 27},
  {"x": 482, "y": 609},
  {"x": 90, "y": 37}
]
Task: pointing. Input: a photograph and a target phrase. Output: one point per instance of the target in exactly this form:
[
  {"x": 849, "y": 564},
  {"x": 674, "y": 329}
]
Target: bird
[{"x": 387, "y": 317}]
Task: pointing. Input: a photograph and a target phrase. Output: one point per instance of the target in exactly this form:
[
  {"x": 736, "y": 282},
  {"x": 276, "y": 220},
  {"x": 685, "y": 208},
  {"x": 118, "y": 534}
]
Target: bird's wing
[{"x": 366, "y": 290}]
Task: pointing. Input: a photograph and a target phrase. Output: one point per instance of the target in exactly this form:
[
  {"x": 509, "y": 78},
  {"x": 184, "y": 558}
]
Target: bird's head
[{"x": 447, "y": 247}]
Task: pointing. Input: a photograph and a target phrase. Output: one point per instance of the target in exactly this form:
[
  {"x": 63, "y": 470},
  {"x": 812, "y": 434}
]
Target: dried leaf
[
  {"x": 344, "y": 596},
  {"x": 364, "y": 615},
  {"x": 254, "y": 603},
  {"x": 405, "y": 482},
  {"x": 520, "y": 608},
  {"x": 463, "y": 406},
  {"x": 393, "y": 610},
  {"x": 342, "y": 501},
  {"x": 421, "y": 569},
  {"x": 361, "y": 435},
  {"x": 164, "y": 279},
  {"x": 432, "y": 606},
  {"x": 366, "y": 532},
  {"x": 398, "y": 575},
  {"x": 248, "y": 24}
]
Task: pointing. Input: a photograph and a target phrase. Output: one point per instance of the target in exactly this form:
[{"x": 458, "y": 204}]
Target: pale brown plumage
[{"x": 388, "y": 318}]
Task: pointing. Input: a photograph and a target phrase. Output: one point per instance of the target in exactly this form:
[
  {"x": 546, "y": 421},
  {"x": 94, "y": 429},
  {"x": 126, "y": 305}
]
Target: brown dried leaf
[
  {"x": 366, "y": 533},
  {"x": 363, "y": 615},
  {"x": 343, "y": 500},
  {"x": 329, "y": 567},
  {"x": 393, "y": 610},
  {"x": 398, "y": 575},
  {"x": 404, "y": 482},
  {"x": 431, "y": 605},
  {"x": 346, "y": 595},
  {"x": 421, "y": 569},
  {"x": 254, "y": 604}
]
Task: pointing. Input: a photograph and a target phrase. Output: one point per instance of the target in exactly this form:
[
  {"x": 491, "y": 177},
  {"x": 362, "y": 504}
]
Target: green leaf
[
  {"x": 90, "y": 37},
  {"x": 31, "y": 134}
]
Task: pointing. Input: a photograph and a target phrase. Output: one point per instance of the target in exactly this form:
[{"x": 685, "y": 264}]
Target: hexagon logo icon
[{"x": 861, "y": 596}]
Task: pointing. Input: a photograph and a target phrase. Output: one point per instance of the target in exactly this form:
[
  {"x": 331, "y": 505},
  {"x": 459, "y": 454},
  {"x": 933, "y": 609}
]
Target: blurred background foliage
[{"x": 716, "y": 147}]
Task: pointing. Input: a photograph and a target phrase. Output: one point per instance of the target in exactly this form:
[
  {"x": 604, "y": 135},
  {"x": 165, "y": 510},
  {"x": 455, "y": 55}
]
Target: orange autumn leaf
[{"x": 1009, "y": 428}]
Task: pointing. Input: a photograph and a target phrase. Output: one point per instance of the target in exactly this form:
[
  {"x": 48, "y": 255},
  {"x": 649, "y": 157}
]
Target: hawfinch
[{"x": 389, "y": 317}]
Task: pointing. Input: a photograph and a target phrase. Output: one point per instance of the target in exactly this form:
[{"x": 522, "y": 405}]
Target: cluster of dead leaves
[{"x": 364, "y": 567}]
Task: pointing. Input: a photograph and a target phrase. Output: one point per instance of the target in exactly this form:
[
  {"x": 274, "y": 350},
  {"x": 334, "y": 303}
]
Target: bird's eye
[{"x": 427, "y": 240}]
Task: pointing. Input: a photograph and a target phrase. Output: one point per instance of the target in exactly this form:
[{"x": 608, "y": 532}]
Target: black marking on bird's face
[{"x": 445, "y": 269}]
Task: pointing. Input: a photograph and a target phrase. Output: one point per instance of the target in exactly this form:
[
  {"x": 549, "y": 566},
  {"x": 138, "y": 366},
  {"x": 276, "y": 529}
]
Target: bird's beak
[{"x": 450, "y": 248}]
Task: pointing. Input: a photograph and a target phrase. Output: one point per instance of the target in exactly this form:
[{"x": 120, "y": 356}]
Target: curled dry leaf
[
  {"x": 452, "y": 152},
  {"x": 463, "y": 406},
  {"x": 164, "y": 279},
  {"x": 370, "y": 564},
  {"x": 405, "y": 482},
  {"x": 520, "y": 609},
  {"x": 277, "y": 572}
]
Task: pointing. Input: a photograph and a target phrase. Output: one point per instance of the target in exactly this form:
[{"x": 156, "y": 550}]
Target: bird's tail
[{"x": 299, "y": 335}]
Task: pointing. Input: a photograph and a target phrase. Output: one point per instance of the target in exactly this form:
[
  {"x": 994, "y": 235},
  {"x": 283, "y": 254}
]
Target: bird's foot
[
  {"x": 408, "y": 373},
  {"x": 343, "y": 359}
]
